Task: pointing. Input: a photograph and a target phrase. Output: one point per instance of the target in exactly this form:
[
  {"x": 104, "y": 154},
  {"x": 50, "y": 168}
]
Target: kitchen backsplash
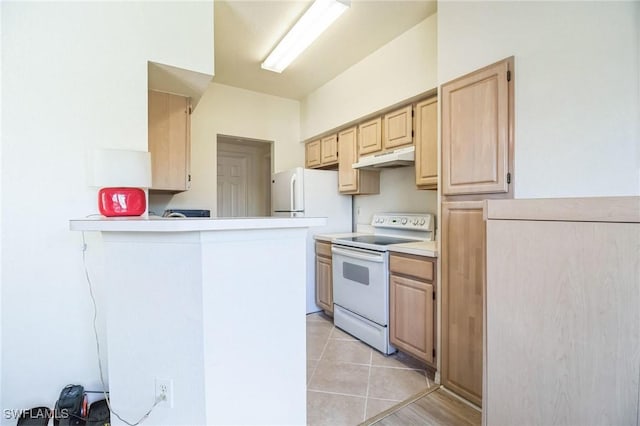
[{"x": 398, "y": 193}]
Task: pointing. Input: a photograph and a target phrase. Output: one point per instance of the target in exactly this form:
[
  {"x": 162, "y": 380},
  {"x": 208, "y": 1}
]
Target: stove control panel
[{"x": 409, "y": 221}]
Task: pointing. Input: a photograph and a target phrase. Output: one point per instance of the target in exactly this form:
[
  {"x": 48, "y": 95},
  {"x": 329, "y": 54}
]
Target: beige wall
[
  {"x": 403, "y": 68},
  {"x": 577, "y": 89},
  {"x": 226, "y": 110}
]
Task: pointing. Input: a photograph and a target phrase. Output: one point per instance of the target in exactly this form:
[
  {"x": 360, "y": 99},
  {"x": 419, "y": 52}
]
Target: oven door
[{"x": 360, "y": 282}]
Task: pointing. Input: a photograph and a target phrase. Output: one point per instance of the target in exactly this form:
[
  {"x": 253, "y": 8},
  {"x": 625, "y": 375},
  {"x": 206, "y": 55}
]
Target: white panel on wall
[
  {"x": 404, "y": 67},
  {"x": 577, "y": 101},
  {"x": 75, "y": 75}
]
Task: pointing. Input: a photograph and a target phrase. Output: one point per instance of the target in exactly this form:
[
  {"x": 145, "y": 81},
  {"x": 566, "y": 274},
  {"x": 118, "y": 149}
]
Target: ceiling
[{"x": 247, "y": 31}]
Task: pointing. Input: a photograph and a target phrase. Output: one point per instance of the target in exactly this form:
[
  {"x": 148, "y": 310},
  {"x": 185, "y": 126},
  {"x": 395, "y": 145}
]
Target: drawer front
[
  {"x": 415, "y": 266},
  {"x": 323, "y": 249}
]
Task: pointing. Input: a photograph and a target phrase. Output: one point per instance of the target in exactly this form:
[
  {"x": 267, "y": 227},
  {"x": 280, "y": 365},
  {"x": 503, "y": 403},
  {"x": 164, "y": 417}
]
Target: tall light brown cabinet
[
  {"x": 477, "y": 163},
  {"x": 169, "y": 120}
]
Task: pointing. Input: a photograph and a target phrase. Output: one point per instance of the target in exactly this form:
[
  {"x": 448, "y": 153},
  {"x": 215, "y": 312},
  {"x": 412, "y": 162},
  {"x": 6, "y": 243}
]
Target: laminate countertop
[
  {"x": 420, "y": 248},
  {"x": 194, "y": 224}
]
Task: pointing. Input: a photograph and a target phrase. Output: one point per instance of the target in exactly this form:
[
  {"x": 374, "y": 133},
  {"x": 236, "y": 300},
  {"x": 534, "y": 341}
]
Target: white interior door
[{"x": 233, "y": 194}]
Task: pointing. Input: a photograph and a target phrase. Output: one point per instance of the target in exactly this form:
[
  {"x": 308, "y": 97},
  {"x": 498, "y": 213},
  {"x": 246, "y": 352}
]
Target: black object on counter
[{"x": 186, "y": 213}]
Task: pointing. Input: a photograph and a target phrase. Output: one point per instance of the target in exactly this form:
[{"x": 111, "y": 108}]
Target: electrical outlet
[{"x": 164, "y": 392}]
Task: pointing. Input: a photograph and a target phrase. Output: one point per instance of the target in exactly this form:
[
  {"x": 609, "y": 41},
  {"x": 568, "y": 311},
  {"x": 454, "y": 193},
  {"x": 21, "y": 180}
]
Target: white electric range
[{"x": 361, "y": 275}]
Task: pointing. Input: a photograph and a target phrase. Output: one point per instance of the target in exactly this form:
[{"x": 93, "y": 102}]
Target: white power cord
[{"x": 95, "y": 332}]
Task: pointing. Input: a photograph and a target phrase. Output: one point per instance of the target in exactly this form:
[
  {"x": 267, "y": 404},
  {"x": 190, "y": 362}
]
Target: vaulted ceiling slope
[{"x": 247, "y": 31}]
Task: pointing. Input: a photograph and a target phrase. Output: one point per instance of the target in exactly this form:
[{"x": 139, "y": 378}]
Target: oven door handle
[{"x": 357, "y": 254}]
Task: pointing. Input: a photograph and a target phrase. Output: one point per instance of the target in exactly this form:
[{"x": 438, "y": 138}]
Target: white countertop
[
  {"x": 196, "y": 224},
  {"x": 420, "y": 248},
  {"x": 330, "y": 237}
]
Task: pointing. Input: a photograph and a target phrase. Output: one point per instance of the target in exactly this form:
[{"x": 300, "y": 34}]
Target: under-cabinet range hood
[{"x": 397, "y": 158}]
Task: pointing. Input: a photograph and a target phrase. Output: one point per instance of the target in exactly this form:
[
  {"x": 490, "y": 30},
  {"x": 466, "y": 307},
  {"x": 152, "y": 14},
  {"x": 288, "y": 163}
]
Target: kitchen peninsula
[{"x": 214, "y": 306}]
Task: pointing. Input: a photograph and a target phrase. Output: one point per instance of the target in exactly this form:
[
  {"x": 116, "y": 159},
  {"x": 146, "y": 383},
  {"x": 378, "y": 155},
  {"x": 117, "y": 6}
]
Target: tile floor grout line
[
  {"x": 375, "y": 419},
  {"x": 339, "y": 393},
  {"x": 385, "y": 399},
  {"x": 366, "y": 399},
  {"x": 399, "y": 368},
  {"x": 324, "y": 348},
  {"x": 379, "y": 366}
]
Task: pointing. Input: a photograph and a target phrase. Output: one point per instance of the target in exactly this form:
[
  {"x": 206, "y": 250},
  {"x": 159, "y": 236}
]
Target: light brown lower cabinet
[
  {"x": 324, "y": 278},
  {"x": 462, "y": 254},
  {"x": 412, "y": 303}
]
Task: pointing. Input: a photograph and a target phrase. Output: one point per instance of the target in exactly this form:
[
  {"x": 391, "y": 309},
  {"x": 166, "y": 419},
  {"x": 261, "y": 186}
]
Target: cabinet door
[
  {"x": 463, "y": 281},
  {"x": 329, "y": 150},
  {"x": 411, "y": 317},
  {"x": 312, "y": 154},
  {"x": 476, "y": 124},
  {"x": 169, "y": 141},
  {"x": 398, "y": 127},
  {"x": 347, "y": 154},
  {"x": 324, "y": 283},
  {"x": 350, "y": 180},
  {"x": 427, "y": 144},
  {"x": 370, "y": 140}
]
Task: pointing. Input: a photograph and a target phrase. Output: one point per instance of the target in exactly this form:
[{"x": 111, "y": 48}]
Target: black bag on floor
[
  {"x": 38, "y": 416},
  {"x": 99, "y": 414},
  {"x": 71, "y": 407}
]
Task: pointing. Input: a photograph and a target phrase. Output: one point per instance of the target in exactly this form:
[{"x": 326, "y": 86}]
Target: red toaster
[{"x": 121, "y": 202}]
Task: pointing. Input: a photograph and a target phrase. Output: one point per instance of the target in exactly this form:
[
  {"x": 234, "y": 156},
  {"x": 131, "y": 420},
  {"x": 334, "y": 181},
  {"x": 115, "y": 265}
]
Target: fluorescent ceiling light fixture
[{"x": 315, "y": 20}]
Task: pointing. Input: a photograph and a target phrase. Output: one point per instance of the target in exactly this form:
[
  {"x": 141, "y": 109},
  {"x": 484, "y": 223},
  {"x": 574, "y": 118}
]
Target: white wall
[
  {"x": 1, "y": 115},
  {"x": 398, "y": 193},
  {"x": 230, "y": 111},
  {"x": 75, "y": 75},
  {"x": 577, "y": 94},
  {"x": 404, "y": 67}
]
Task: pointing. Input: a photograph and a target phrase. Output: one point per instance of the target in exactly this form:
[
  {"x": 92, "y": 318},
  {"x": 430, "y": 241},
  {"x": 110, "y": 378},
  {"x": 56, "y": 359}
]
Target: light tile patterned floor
[{"x": 348, "y": 382}]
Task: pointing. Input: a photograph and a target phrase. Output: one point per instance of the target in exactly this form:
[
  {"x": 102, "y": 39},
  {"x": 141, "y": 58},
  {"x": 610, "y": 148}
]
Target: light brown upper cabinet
[
  {"x": 329, "y": 149},
  {"x": 322, "y": 153},
  {"x": 169, "y": 120},
  {"x": 477, "y": 125},
  {"x": 427, "y": 144},
  {"x": 312, "y": 154},
  {"x": 398, "y": 127},
  {"x": 350, "y": 180},
  {"x": 370, "y": 140}
]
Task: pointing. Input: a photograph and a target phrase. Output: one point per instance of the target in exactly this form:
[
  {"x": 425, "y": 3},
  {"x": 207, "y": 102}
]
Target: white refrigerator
[{"x": 311, "y": 193}]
